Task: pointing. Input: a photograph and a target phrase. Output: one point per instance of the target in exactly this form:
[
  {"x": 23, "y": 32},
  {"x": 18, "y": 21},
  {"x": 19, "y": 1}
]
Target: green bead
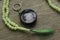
[{"x": 53, "y": 6}]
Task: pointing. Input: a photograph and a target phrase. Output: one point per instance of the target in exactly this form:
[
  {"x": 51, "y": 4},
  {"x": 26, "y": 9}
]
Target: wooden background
[{"x": 47, "y": 18}]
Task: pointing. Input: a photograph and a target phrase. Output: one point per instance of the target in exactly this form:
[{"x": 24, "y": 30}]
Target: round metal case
[{"x": 28, "y": 17}]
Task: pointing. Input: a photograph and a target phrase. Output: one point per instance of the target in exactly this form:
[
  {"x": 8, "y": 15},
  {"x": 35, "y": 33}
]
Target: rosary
[{"x": 28, "y": 17}]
